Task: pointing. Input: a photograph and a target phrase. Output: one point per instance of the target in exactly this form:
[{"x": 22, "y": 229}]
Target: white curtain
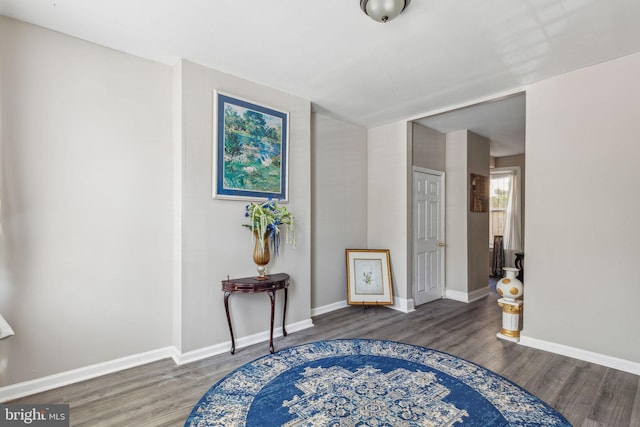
[{"x": 512, "y": 222}]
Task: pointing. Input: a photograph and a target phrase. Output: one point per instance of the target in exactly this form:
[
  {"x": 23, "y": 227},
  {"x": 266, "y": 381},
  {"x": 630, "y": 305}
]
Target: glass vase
[{"x": 261, "y": 254}]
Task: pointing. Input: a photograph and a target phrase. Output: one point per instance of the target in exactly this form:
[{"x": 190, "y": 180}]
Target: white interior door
[{"x": 428, "y": 235}]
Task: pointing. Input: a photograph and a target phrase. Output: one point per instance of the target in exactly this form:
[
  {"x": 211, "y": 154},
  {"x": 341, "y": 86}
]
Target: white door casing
[{"x": 428, "y": 235}]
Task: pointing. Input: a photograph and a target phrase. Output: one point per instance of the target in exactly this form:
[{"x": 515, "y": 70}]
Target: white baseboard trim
[
  {"x": 580, "y": 354},
  {"x": 329, "y": 308},
  {"x": 472, "y": 296},
  {"x": 214, "y": 350},
  {"x": 403, "y": 304},
  {"x": 38, "y": 385},
  {"x": 400, "y": 304}
]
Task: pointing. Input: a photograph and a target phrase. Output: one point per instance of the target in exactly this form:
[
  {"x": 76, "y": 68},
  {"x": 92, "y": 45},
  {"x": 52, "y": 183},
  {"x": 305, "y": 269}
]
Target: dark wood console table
[{"x": 252, "y": 285}]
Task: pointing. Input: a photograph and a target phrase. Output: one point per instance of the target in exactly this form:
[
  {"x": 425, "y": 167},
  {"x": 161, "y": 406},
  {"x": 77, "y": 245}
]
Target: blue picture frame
[{"x": 250, "y": 150}]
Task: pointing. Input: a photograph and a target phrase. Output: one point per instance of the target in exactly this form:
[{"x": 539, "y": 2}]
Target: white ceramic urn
[{"x": 509, "y": 287}]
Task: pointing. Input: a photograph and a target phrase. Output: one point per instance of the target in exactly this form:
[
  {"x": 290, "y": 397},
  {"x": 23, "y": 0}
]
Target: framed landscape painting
[
  {"x": 250, "y": 150},
  {"x": 369, "y": 277}
]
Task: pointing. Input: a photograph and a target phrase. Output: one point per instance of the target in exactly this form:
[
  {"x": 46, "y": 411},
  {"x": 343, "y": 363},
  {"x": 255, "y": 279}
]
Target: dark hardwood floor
[{"x": 163, "y": 394}]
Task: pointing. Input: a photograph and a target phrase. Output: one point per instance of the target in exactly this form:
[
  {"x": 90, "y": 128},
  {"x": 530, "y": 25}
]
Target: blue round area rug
[{"x": 367, "y": 383}]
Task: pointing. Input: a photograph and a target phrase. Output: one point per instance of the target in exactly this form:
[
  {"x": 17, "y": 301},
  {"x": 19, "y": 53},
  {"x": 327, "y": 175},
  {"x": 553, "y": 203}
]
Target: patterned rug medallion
[{"x": 367, "y": 383}]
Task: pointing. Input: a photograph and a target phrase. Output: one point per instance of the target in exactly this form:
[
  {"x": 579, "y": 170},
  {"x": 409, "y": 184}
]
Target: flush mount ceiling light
[{"x": 383, "y": 10}]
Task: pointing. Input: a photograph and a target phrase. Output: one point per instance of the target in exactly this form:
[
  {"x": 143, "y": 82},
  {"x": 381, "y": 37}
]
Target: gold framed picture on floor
[{"x": 369, "y": 277}]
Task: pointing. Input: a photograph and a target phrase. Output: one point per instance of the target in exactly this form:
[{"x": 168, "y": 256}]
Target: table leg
[
  {"x": 272, "y": 296},
  {"x": 226, "y": 308},
  {"x": 284, "y": 313}
]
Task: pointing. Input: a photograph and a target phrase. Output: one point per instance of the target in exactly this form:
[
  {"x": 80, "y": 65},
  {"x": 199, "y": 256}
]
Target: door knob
[{"x": 441, "y": 244}]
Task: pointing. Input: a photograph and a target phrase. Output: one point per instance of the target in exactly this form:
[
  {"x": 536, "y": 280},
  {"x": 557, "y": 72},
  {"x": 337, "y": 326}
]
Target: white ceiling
[
  {"x": 437, "y": 54},
  {"x": 502, "y": 121}
]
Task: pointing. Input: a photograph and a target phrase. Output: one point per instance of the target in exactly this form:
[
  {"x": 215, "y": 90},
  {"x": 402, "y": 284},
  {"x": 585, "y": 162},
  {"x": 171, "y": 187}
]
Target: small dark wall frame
[{"x": 479, "y": 193}]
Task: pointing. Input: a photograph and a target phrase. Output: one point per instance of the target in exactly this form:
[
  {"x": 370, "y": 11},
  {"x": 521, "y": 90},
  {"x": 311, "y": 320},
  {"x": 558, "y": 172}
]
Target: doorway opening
[
  {"x": 502, "y": 121},
  {"x": 505, "y": 220}
]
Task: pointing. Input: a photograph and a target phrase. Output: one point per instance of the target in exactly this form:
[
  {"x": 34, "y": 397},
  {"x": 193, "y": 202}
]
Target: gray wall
[
  {"x": 339, "y": 204},
  {"x": 388, "y": 201},
  {"x": 478, "y": 222},
  {"x": 86, "y": 203},
  {"x": 466, "y": 232},
  {"x": 428, "y": 148},
  {"x": 115, "y": 247},
  {"x": 456, "y": 208},
  {"x": 582, "y": 287},
  {"x": 214, "y": 243}
]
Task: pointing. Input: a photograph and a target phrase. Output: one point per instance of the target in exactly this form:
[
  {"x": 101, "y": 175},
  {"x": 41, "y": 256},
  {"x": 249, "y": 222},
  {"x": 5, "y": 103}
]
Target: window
[
  {"x": 499, "y": 189},
  {"x": 504, "y": 207}
]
